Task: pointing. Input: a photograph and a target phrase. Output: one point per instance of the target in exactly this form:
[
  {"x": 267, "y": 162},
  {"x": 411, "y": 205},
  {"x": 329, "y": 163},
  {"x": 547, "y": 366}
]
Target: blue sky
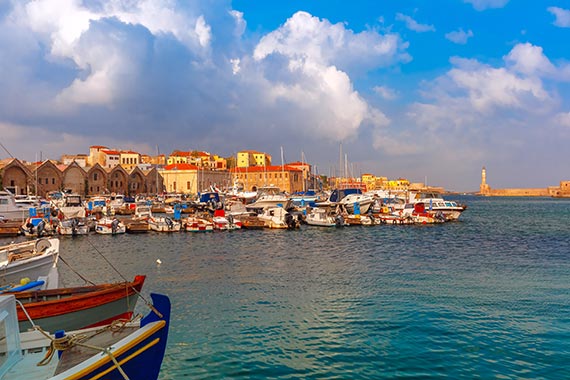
[{"x": 416, "y": 89}]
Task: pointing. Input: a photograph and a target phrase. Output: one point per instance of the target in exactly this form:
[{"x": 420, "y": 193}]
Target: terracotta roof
[
  {"x": 180, "y": 153},
  {"x": 261, "y": 169},
  {"x": 129, "y": 152},
  {"x": 298, "y": 163},
  {"x": 114, "y": 152},
  {"x": 98, "y": 147},
  {"x": 180, "y": 167}
]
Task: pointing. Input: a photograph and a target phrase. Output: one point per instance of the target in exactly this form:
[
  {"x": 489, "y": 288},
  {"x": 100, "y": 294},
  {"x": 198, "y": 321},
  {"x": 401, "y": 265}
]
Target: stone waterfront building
[{"x": 43, "y": 177}]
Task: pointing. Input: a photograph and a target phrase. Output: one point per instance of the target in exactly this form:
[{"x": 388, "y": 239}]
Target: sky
[{"x": 430, "y": 91}]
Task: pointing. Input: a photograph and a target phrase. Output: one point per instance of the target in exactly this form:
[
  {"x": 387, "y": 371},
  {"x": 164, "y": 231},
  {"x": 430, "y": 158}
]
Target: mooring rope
[{"x": 69, "y": 341}]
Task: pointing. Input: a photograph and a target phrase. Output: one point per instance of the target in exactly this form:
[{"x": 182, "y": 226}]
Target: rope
[
  {"x": 25, "y": 312},
  {"x": 74, "y": 271},
  {"x": 69, "y": 341}
]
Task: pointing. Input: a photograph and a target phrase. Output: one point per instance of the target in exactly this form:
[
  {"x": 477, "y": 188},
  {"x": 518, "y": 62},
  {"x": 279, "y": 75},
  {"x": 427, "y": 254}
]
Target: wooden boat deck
[{"x": 105, "y": 338}]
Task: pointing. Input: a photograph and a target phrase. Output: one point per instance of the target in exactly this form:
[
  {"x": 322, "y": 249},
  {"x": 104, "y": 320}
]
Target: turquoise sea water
[{"x": 485, "y": 297}]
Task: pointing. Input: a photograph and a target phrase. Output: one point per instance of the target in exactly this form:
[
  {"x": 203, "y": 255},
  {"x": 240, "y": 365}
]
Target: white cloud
[
  {"x": 413, "y": 24},
  {"x": 481, "y": 5},
  {"x": 562, "y": 16},
  {"x": 310, "y": 77},
  {"x": 459, "y": 36},
  {"x": 63, "y": 24},
  {"x": 488, "y": 88},
  {"x": 530, "y": 60},
  {"x": 307, "y": 37},
  {"x": 471, "y": 92},
  {"x": 562, "y": 119},
  {"x": 386, "y": 92}
]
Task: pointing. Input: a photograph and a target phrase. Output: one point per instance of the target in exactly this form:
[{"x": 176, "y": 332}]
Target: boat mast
[
  {"x": 303, "y": 167},
  {"x": 282, "y": 169},
  {"x": 340, "y": 164}
]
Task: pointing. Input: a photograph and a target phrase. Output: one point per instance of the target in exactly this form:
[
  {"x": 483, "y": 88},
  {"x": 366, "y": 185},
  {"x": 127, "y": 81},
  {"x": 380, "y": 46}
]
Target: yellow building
[
  {"x": 190, "y": 179},
  {"x": 287, "y": 178},
  {"x": 247, "y": 158},
  {"x": 129, "y": 159},
  {"x": 153, "y": 160}
]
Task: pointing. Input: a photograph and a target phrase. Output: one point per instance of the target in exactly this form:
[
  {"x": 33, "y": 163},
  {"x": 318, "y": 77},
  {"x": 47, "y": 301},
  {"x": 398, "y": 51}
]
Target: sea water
[{"x": 485, "y": 297}]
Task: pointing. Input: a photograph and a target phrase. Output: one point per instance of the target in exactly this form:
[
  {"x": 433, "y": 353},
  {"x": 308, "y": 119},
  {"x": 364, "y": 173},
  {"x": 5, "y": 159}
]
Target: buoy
[
  {"x": 24, "y": 281},
  {"x": 158, "y": 261}
]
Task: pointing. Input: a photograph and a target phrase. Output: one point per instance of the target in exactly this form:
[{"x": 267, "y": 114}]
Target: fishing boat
[
  {"x": 133, "y": 350},
  {"x": 34, "y": 260},
  {"x": 163, "y": 224},
  {"x": 278, "y": 217},
  {"x": 322, "y": 217},
  {"x": 78, "y": 307},
  {"x": 37, "y": 226},
  {"x": 223, "y": 223},
  {"x": 196, "y": 224},
  {"x": 72, "y": 227},
  {"x": 110, "y": 226},
  {"x": 251, "y": 222}
]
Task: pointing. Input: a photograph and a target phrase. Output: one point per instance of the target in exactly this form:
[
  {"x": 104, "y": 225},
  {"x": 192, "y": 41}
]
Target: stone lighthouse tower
[{"x": 484, "y": 189}]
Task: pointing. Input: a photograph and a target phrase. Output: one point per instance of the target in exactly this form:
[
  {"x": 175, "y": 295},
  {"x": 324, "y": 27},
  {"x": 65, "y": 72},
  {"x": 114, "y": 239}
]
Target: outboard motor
[
  {"x": 114, "y": 226},
  {"x": 289, "y": 221},
  {"x": 339, "y": 221},
  {"x": 169, "y": 223},
  {"x": 40, "y": 228},
  {"x": 74, "y": 224}
]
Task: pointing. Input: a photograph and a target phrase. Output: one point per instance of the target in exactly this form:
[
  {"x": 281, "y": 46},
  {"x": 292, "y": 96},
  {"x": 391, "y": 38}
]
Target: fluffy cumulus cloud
[
  {"x": 102, "y": 72},
  {"x": 413, "y": 24},
  {"x": 481, "y": 5},
  {"x": 311, "y": 55},
  {"x": 459, "y": 36},
  {"x": 472, "y": 91},
  {"x": 496, "y": 112},
  {"x": 562, "y": 16}
]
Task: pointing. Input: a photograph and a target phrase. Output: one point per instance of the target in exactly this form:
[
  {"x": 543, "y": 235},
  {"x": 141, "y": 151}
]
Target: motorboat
[
  {"x": 132, "y": 350},
  {"x": 435, "y": 202},
  {"x": 163, "y": 224},
  {"x": 269, "y": 197},
  {"x": 357, "y": 203},
  {"x": 197, "y": 224},
  {"x": 72, "y": 227},
  {"x": 37, "y": 226},
  {"x": 110, "y": 226},
  {"x": 417, "y": 213},
  {"x": 223, "y": 222},
  {"x": 322, "y": 217},
  {"x": 278, "y": 217},
  {"x": 9, "y": 209},
  {"x": 34, "y": 261}
]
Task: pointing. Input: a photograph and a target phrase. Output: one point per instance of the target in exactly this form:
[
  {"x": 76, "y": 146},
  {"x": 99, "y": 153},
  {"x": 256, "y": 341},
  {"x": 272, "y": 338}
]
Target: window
[
  {"x": 12, "y": 183},
  {"x": 47, "y": 181},
  {"x": 188, "y": 185},
  {"x": 174, "y": 185},
  {"x": 95, "y": 176},
  {"x": 53, "y": 181}
]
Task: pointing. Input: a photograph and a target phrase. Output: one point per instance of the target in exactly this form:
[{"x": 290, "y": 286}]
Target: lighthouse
[{"x": 484, "y": 189}]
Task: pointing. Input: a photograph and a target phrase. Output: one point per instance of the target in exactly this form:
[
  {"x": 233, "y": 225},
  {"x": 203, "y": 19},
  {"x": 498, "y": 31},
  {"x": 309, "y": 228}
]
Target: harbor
[{"x": 390, "y": 301}]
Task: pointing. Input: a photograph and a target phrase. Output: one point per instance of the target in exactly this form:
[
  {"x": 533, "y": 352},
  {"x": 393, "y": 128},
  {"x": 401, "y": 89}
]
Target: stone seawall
[{"x": 518, "y": 193}]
